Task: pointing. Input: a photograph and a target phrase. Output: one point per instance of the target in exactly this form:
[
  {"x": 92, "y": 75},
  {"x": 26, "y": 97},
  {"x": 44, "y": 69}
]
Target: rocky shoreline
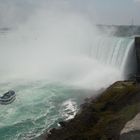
[{"x": 104, "y": 117}]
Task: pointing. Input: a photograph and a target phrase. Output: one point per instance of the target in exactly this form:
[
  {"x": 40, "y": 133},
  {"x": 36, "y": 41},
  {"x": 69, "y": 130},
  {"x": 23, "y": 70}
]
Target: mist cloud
[{"x": 14, "y": 12}]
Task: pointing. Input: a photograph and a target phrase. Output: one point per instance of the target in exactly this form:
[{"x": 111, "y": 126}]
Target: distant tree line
[{"x": 119, "y": 30}]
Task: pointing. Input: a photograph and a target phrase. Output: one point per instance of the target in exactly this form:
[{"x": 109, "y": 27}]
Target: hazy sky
[
  {"x": 14, "y": 12},
  {"x": 118, "y": 11}
]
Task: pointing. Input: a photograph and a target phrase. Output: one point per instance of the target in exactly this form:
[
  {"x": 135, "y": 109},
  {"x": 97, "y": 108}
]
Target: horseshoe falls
[
  {"x": 52, "y": 66},
  {"x": 117, "y": 52}
]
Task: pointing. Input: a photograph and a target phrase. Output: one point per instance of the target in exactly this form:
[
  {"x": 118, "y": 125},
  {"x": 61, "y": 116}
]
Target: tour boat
[{"x": 8, "y": 97}]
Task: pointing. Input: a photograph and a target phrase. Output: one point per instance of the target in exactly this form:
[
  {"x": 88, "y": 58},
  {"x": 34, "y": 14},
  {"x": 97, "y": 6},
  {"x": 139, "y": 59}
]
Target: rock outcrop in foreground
[
  {"x": 105, "y": 117},
  {"x": 131, "y": 131}
]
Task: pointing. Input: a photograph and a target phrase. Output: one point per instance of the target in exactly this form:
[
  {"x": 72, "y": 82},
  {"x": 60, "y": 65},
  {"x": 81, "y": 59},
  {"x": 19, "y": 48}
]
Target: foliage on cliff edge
[{"x": 104, "y": 117}]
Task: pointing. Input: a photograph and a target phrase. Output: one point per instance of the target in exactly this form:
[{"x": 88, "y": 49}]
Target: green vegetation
[{"x": 104, "y": 117}]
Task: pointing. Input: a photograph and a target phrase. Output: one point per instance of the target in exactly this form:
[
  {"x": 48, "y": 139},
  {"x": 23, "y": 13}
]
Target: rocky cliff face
[{"x": 103, "y": 118}]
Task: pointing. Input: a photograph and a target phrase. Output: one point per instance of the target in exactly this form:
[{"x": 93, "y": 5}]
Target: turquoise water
[{"x": 38, "y": 106}]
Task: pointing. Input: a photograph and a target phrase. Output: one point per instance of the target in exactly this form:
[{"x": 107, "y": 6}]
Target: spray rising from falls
[{"x": 65, "y": 48}]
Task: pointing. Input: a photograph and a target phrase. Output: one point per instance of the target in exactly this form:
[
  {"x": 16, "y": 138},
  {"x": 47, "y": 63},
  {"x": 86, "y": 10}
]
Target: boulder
[{"x": 131, "y": 130}]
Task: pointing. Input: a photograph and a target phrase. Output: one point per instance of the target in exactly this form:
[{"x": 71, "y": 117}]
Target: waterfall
[
  {"x": 112, "y": 50},
  {"x": 115, "y": 51}
]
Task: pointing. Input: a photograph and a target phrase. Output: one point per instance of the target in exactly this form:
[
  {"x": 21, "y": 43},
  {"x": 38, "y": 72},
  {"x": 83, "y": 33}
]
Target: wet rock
[{"x": 62, "y": 124}]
